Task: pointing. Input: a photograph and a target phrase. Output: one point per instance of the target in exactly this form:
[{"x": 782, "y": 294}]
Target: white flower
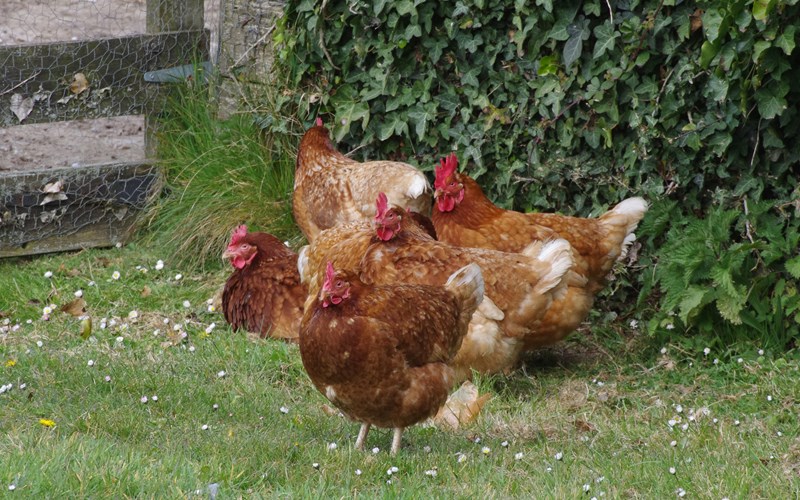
[
  {"x": 716, "y": 361},
  {"x": 23, "y": 386},
  {"x": 486, "y": 450},
  {"x": 154, "y": 398},
  {"x": 358, "y": 472},
  {"x": 92, "y": 283},
  {"x": 48, "y": 274},
  {"x": 215, "y": 406},
  {"x": 166, "y": 321},
  {"x": 736, "y": 422},
  {"x": 462, "y": 458},
  {"x": 91, "y": 362},
  {"x": 672, "y": 470},
  {"x": 375, "y": 450},
  {"x": 210, "y": 328},
  {"x": 431, "y": 472},
  {"x": 143, "y": 399},
  {"x": 315, "y": 465},
  {"x": 79, "y": 293},
  {"x": 221, "y": 373},
  {"x": 670, "y": 326},
  {"x": 112, "y": 322},
  {"x": 673, "y": 443},
  {"x": 634, "y": 323},
  {"x": 39, "y": 343},
  {"x": 191, "y": 348},
  {"x": 684, "y": 427},
  {"x": 120, "y": 339},
  {"x": 715, "y": 420},
  {"x": 47, "y": 310},
  {"x": 177, "y": 326},
  {"x": 761, "y": 352},
  {"x": 740, "y": 360},
  {"x": 559, "y": 456},
  {"x": 504, "y": 444},
  {"x": 769, "y": 398},
  {"x": 285, "y": 410},
  {"x": 159, "y": 265},
  {"x": 133, "y": 314},
  {"x": 332, "y": 446},
  {"x": 779, "y": 432},
  {"x": 115, "y": 275},
  {"x": 178, "y": 277},
  {"x": 187, "y": 304},
  {"x": 119, "y": 244},
  {"x": 586, "y": 488},
  {"x": 707, "y": 351},
  {"x": 211, "y": 309},
  {"x": 12, "y": 487},
  {"x": 107, "y": 378},
  {"x": 518, "y": 456},
  {"x": 204, "y": 427},
  {"x": 663, "y": 350},
  {"x": 679, "y": 408}
]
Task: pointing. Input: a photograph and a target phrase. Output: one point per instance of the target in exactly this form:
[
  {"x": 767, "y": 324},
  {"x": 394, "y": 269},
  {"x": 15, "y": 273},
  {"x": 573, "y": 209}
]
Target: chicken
[
  {"x": 331, "y": 189},
  {"x": 264, "y": 294},
  {"x": 519, "y": 287},
  {"x": 380, "y": 353},
  {"x": 462, "y": 215},
  {"x": 344, "y": 245}
]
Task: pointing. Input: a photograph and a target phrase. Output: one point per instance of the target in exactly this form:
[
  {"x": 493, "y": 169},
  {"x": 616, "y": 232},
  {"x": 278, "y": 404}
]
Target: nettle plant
[{"x": 570, "y": 105}]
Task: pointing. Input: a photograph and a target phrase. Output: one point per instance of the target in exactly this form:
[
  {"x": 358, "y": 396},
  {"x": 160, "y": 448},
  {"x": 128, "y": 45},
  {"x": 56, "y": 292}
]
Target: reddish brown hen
[
  {"x": 464, "y": 216},
  {"x": 380, "y": 353},
  {"x": 332, "y": 189},
  {"x": 264, "y": 294},
  {"x": 519, "y": 287}
]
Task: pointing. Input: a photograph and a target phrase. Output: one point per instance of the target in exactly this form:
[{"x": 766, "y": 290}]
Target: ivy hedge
[{"x": 573, "y": 106}]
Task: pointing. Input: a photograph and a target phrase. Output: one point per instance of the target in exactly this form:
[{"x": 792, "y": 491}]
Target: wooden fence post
[{"x": 164, "y": 16}]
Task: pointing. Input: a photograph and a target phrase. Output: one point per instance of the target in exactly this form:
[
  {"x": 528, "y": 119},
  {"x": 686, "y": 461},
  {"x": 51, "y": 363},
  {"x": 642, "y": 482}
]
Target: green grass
[
  {"x": 603, "y": 401},
  {"x": 219, "y": 174}
]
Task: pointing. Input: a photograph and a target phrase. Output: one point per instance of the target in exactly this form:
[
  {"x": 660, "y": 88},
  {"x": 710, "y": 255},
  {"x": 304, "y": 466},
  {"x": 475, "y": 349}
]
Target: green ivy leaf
[
  {"x": 393, "y": 125},
  {"x": 761, "y": 9},
  {"x": 771, "y": 101},
  {"x": 572, "y": 50},
  {"x": 547, "y": 66},
  {"x": 712, "y": 20},
  {"x": 606, "y": 37},
  {"x": 420, "y": 115},
  {"x": 786, "y": 39}
]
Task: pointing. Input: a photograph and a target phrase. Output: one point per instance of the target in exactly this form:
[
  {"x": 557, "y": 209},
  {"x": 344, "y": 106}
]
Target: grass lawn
[{"x": 138, "y": 409}]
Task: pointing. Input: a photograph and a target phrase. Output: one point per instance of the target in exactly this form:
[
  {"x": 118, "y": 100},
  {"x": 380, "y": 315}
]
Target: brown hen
[
  {"x": 380, "y": 353},
  {"x": 264, "y": 294},
  {"x": 519, "y": 287},
  {"x": 464, "y": 216},
  {"x": 332, "y": 189}
]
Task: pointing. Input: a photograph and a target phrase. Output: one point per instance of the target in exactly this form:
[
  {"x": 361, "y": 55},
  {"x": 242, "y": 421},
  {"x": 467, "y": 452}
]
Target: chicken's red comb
[
  {"x": 446, "y": 168},
  {"x": 330, "y": 274},
  {"x": 318, "y": 121},
  {"x": 238, "y": 234},
  {"x": 381, "y": 205}
]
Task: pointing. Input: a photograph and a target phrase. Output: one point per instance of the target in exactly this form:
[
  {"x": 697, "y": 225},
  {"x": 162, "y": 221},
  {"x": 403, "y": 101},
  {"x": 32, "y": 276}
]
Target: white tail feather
[
  {"x": 302, "y": 264},
  {"x": 557, "y": 253},
  {"x": 628, "y": 212},
  {"x": 467, "y": 284},
  {"x": 417, "y": 186}
]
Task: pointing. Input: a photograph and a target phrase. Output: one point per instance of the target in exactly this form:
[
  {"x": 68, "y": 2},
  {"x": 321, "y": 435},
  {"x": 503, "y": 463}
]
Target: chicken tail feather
[
  {"x": 626, "y": 214},
  {"x": 467, "y": 285},
  {"x": 556, "y": 253}
]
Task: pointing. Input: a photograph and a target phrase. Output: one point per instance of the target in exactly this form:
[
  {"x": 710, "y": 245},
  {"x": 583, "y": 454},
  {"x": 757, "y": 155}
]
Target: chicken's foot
[
  {"x": 362, "y": 436},
  {"x": 398, "y": 433}
]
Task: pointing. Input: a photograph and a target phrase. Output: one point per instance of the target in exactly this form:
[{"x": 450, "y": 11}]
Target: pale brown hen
[
  {"x": 519, "y": 287},
  {"x": 264, "y": 294},
  {"x": 464, "y": 216},
  {"x": 332, "y": 189},
  {"x": 380, "y": 353}
]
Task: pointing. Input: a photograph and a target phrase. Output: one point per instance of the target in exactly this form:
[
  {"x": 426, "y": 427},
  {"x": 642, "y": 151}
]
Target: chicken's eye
[
  {"x": 390, "y": 216},
  {"x": 452, "y": 183},
  {"x": 244, "y": 246},
  {"x": 339, "y": 284}
]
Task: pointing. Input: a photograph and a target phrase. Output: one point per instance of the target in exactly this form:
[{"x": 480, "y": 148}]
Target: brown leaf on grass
[
  {"x": 584, "y": 426},
  {"x": 73, "y": 273},
  {"x": 461, "y": 408},
  {"x": 103, "y": 261},
  {"x": 75, "y": 308},
  {"x": 146, "y": 291},
  {"x": 331, "y": 411}
]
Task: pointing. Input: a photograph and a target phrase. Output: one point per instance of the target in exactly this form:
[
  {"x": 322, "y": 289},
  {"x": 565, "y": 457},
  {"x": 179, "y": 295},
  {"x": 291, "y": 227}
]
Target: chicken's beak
[
  {"x": 228, "y": 255},
  {"x": 438, "y": 193}
]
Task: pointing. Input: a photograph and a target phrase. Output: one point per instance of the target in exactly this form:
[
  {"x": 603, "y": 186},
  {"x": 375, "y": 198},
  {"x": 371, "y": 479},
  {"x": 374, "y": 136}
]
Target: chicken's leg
[
  {"x": 398, "y": 433},
  {"x": 362, "y": 436}
]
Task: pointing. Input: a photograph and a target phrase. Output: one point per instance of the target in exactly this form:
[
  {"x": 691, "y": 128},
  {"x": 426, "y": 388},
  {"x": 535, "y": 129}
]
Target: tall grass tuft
[{"x": 219, "y": 173}]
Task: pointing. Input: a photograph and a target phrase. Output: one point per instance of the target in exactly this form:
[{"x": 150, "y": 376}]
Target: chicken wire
[{"x": 72, "y": 94}]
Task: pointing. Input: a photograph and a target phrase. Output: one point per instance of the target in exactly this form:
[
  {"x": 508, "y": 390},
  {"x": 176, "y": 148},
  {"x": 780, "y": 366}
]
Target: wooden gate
[{"x": 96, "y": 205}]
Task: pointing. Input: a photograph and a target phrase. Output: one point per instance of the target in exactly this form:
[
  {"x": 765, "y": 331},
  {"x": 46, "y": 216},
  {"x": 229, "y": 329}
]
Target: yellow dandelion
[
  {"x": 47, "y": 422},
  {"x": 11, "y": 362}
]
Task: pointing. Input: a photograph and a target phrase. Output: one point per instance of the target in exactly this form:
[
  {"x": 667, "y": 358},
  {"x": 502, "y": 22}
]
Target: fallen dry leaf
[
  {"x": 146, "y": 291},
  {"x": 462, "y": 407},
  {"x": 75, "y": 308},
  {"x": 53, "y": 187},
  {"x": 79, "y": 83},
  {"x": 696, "y": 20},
  {"x": 331, "y": 411},
  {"x": 21, "y": 106}
]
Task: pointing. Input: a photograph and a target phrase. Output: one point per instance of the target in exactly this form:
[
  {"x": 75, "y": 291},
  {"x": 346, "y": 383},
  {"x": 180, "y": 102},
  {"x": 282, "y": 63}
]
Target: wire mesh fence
[{"x": 72, "y": 94}]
